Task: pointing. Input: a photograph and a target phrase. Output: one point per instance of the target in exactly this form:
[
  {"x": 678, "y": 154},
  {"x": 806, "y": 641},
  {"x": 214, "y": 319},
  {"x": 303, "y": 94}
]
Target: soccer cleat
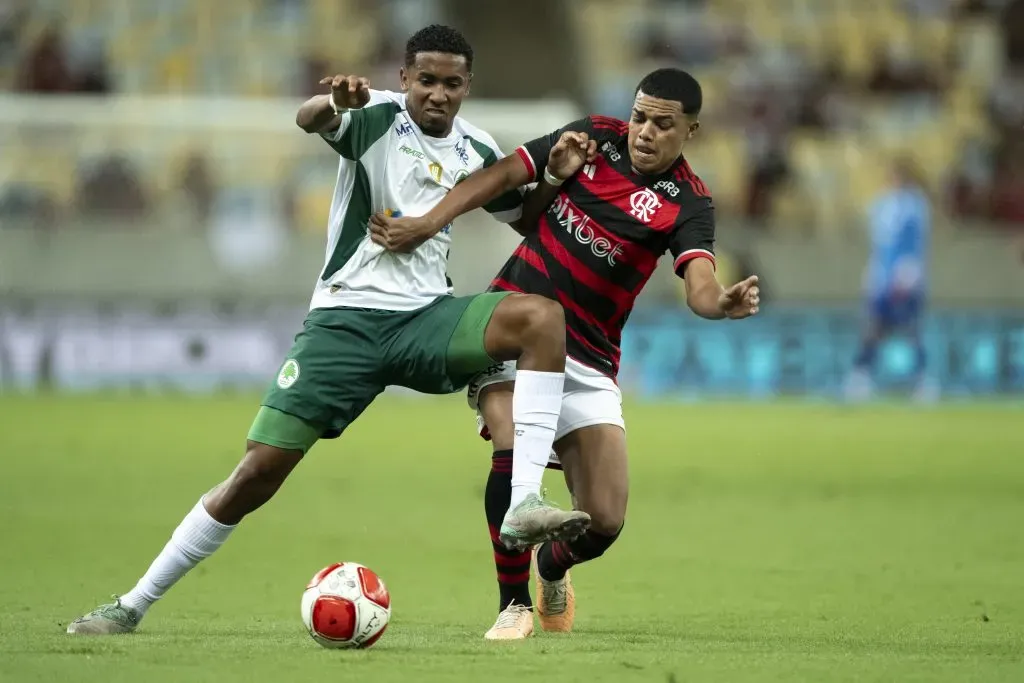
[
  {"x": 535, "y": 520},
  {"x": 556, "y": 602},
  {"x": 515, "y": 622},
  {"x": 109, "y": 619}
]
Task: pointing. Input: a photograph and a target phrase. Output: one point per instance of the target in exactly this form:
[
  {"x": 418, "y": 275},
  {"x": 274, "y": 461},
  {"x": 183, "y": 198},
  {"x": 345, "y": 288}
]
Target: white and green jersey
[{"x": 389, "y": 165}]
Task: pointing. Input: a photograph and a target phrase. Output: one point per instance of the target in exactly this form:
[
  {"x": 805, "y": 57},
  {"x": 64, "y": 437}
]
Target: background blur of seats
[{"x": 806, "y": 101}]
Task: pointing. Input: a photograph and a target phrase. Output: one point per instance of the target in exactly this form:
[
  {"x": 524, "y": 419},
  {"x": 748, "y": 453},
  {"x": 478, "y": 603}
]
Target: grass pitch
[{"x": 764, "y": 543}]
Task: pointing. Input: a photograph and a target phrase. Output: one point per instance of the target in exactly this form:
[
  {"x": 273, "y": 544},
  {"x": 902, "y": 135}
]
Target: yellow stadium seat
[{"x": 177, "y": 72}]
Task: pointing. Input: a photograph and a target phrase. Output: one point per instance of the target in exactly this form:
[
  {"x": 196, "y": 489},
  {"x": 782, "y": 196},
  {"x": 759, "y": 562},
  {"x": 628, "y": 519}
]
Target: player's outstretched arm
[
  {"x": 406, "y": 233},
  {"x": 708, "y": 299},
  {"x": 322, "y": 113}
]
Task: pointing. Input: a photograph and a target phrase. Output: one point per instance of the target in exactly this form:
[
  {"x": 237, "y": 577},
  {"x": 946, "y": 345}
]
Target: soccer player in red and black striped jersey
[{"x": 618, "y": 195}]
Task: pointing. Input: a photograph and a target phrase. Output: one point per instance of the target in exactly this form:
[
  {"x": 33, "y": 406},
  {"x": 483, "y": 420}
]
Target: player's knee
[
  {"x": 544, "y": 317},
  {"x": 607, "y": 513},
  {"x": 607, "y": 522}
]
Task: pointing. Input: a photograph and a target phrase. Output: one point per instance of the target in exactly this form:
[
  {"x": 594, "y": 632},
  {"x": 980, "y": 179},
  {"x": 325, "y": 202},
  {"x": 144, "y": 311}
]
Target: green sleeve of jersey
[
  {"x": 366, "y": 126},
  {"x": 511, "y": 201}
]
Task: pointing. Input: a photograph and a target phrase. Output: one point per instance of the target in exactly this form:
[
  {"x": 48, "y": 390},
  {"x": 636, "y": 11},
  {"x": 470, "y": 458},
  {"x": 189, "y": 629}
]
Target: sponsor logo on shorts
[
  {"x": 289, "y": 374},
  {"x": 475, "y": 384}
]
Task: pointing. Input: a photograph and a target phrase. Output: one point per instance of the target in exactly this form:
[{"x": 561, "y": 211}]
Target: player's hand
[
  {"x": 348, "y": 92},
  {"x": 401, "y": 235},
  {"x": 570, "y": 153},
  {"x": 741, "y": 300}
]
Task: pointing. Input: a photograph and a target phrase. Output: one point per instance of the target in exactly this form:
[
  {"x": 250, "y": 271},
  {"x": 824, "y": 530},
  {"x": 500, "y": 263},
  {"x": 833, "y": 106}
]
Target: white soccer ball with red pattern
[{"x": 346, "y": 605}]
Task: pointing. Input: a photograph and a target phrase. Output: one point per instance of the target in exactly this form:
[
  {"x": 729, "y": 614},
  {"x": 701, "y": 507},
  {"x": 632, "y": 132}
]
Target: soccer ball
[{"x": 346, "y": 605}]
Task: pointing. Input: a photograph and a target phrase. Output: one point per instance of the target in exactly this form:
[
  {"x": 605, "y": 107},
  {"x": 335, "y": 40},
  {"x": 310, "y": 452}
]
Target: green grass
[{"x": 764, "y": 543}]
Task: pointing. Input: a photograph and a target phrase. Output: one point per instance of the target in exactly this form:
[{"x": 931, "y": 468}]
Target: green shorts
[{"x": 344, "y": 357}]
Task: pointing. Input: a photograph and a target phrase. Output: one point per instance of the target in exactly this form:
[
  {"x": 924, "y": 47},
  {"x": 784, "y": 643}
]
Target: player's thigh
[
  {"x": 441, "y": 347},
  {"x": 331, "y": 374},
  {"x": 594, "y": 457}
]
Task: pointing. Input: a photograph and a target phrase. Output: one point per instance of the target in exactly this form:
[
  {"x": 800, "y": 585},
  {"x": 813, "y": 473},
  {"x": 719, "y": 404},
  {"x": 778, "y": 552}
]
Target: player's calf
[
  {"x": 201, "y": 533},
  {"x": 254, "y": 482}
]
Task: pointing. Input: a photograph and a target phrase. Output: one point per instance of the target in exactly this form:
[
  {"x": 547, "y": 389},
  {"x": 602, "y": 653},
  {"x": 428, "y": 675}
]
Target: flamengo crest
[{"x": 644, "y": 204}]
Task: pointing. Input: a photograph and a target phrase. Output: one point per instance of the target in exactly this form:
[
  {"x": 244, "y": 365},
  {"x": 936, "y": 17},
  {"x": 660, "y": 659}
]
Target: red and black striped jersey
[{"x": 600, "y": 240}]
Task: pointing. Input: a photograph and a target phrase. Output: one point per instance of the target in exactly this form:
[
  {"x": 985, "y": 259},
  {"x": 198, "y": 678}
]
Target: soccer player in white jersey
[{"x": 379, "y": 318}]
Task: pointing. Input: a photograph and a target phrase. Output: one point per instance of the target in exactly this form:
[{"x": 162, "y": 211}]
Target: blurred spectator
[
  {"x": 1008, "y": 189},
  {"x": 1012, "y": 21},
  {"x": 970, "y": 187},
  {"x": 44, "y": 68},
  {"x": 14, "y": 16},
  {"x": 899, "y": 71},
  {"x": 88, "y": 60},
  {"x": 766, "y": 159},
  {"x": 197, "y": 184},
  {"x": 109, "y": 188},
  {"x": 25, "y": 205}
]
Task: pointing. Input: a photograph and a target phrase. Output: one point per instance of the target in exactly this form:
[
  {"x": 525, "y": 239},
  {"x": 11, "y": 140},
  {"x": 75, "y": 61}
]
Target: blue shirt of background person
[{"x": 896, "y": 278}]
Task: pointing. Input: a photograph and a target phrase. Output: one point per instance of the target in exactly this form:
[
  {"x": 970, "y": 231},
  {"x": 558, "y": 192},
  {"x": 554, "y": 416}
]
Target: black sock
[
  {"x": 555, "y": 558},
  {"x": 513, "y": 566}
]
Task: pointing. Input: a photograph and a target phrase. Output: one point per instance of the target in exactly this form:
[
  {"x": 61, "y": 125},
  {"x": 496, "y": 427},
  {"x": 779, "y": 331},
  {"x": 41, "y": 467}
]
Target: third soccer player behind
[
  {"x": 895, "y": 281},
  {"x": 610, "y": 218}
]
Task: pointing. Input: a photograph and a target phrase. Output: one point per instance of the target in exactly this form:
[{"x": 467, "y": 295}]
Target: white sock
[
  {"x": 196, "y": 538},
  {"x": 536, "y": 404}
]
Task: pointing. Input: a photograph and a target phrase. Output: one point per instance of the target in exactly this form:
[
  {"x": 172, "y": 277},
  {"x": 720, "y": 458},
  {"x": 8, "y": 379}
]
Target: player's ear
[
  {"x": 694, "y": 126},
  {"x": 403, "y": 78},
  {"x": 469, "y": 82}
]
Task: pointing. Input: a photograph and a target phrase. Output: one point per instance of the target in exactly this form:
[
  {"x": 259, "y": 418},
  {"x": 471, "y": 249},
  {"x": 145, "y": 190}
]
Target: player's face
[
  {"x": 435, "y": 85},
  {"x": 658, "y": 129}
]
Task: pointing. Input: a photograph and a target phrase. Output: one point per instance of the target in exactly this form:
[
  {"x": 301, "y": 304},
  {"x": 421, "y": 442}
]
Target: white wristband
[
  {"x": 334, "y": 105},
  {"x": 552, "y": 180}
]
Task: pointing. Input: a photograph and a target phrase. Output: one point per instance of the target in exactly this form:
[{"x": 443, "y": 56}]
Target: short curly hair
[
  {"x": 674, "y": 84},
  {"x": 438, "y": 38}
]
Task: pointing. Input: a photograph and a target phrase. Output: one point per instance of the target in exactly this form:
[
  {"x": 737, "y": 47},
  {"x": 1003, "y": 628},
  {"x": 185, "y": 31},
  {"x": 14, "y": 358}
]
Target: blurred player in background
[
  {"x": 379, "y": 319},
  {"x": 896, "y": 278},
  {"x": 610, "y": 219}
]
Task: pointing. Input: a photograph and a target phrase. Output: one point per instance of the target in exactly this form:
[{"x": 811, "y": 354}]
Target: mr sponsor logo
[{"x": 577, "y": 224}]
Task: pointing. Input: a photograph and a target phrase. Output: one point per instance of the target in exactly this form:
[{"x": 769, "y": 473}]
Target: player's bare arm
[
  {"x": 567, "y": 157},
  {"x": 406, "y": 233},
  {"x": 322, "y": 113},
  {"x": 708, "y": 299}
]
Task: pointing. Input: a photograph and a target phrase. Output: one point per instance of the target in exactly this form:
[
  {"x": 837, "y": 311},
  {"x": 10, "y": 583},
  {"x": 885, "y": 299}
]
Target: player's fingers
[
  {"x": 326, "y": 80},
  {"x": 570, "y": 138},
  {"x": 750, "y": 281},
  {"x": 591, "y": 151},
  {"x": 338, "y": 83},
  {"x": 353, "y": 84},
  {"x": 364, "y": 84}
]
